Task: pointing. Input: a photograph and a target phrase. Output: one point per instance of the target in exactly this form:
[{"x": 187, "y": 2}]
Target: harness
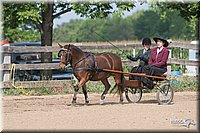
[{"x": 94, "y": 68}]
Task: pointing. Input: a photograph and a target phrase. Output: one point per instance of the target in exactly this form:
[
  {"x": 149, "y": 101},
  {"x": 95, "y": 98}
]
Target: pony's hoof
[
  {"x": 86, "y": 102},
  {"x": 121, "y": 102},
  {"x": 101, "y": 102},
  {"x": 73, "y": 104},
  {"x": 103, "y": 97}
]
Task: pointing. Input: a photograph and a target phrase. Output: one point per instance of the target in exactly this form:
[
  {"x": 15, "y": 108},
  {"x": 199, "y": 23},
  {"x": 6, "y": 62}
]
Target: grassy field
[{"x": 178, "y": 84}]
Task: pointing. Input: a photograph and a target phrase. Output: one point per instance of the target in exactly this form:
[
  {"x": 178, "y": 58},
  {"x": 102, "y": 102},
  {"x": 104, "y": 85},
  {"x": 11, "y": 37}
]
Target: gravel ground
[{"x": 55, "y": 113}]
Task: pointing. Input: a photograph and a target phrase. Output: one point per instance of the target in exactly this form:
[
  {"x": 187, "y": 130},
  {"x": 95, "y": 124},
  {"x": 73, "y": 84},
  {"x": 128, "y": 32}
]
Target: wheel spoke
[
  {"x": 133, "y": 95},
  {"x": 131, "y": 90},
  {"x": 165, "y": 94}
]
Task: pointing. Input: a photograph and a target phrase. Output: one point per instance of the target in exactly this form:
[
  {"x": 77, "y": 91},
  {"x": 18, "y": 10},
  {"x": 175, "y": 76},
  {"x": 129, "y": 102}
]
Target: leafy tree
[
  {"x": 145, "y": 23},
  {"x": 21, "y": 35},
  {"x": 67, "y": 32},
  {"x": 134, "y": 27},
  {"x": 189, "y": 11},
  {"x": 40, "y": 15},
  {"x": 13, "y": 32}
]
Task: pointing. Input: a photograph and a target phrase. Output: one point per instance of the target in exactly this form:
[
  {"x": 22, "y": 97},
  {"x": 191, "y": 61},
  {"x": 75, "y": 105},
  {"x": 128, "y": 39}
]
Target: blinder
[
  {"x": 60, "y": 53},
  {"x": 66, "y": 54}
]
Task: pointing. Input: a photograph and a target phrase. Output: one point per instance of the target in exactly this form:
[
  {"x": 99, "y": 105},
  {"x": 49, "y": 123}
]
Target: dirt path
[{"x": 56, "y": 113}]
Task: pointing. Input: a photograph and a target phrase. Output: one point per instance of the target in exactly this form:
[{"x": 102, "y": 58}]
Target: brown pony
[{"x": 87, "y": 66}]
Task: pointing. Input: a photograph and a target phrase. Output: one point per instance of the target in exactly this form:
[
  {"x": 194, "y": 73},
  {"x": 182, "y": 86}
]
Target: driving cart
[{"x": 134, "y": 88}]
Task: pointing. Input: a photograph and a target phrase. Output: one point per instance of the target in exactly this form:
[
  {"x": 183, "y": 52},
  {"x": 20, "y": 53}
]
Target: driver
[{"x": 143, "y": 56}]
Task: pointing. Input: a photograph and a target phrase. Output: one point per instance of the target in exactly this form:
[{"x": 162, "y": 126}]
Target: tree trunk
[{"x": 46, "y": 37}]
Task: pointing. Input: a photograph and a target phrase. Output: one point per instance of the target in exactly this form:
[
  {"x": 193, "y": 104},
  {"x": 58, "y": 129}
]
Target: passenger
[
  {"x": 157, "y": 64},
  {"x": 143, "y": 56}
]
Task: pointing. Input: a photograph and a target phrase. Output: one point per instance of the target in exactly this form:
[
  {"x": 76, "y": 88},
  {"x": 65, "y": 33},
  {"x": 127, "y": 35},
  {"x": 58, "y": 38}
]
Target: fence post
[
  {"x": 6, "y": 60},
  {"x": 169, "y": 66}
]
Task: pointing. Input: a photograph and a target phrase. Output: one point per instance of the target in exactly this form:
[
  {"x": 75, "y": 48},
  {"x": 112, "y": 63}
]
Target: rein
[
  {"x": 110, "y": 43},
  {"x": 82, "y": 59}
]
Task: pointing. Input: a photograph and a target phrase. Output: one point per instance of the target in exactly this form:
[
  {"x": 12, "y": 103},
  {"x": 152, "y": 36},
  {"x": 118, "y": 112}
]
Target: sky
[{"x": 72, "y": 15}]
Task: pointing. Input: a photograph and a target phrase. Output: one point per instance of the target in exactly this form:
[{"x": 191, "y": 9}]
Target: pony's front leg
[{"x": 76, "y": 88}]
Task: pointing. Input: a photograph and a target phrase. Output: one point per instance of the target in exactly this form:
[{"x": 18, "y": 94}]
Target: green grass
[
  {"x": 178, "y": 84},
  {"x": 185, "y": 83},
  {"x": 35, "y": 91}
]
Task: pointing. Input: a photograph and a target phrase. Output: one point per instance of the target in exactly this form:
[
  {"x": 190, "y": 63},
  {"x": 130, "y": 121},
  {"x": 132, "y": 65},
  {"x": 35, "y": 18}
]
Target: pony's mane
[{"x": 71, "y": 46}]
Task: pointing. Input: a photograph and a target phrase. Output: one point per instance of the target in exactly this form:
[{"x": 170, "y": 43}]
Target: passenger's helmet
[{"x": 146, "y": 41}]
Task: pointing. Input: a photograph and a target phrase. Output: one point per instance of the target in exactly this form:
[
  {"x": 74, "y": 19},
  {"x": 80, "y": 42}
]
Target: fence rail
[
  {"x": 7, "y": 51},
  {"x": 48, "y": 66},
  {"x": 103, "y": 46}
]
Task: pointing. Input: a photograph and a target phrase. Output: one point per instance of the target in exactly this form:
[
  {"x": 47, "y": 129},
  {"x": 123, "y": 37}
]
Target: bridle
[{"x": 67, "y": 56}]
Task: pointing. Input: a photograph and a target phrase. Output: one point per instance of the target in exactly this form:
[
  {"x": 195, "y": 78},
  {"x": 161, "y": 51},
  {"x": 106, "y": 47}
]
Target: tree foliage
[
  {"x": 17, "y": 25},
  {"x": 186, "y": 10},
  {"x": 190, "y": 11},
  {"x": 135, "y": 27},
  {"x": 19, "y": 16}
]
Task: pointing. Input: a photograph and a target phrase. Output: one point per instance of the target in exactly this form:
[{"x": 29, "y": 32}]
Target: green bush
[{"x": 185, "y": 83}]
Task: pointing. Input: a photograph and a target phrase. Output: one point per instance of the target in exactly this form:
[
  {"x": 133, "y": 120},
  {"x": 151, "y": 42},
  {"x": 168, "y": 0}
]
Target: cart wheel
[
  {"x": 165, "y": 94},
  {"x": 133, "y": 95}
]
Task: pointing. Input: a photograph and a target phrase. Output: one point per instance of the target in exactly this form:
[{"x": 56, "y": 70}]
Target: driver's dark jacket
[{"x": 144, "y": 57}]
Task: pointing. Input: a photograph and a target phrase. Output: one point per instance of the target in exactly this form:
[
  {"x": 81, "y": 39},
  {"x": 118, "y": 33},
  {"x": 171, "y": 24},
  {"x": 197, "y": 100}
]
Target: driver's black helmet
[{"x": 146, "y": 41}]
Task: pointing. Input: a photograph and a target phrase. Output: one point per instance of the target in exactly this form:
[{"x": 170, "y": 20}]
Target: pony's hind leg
[
  {"x": 85, "y": 93},
  {"x": 107, "y": 86},
  {"x": 119, "y": 81}
]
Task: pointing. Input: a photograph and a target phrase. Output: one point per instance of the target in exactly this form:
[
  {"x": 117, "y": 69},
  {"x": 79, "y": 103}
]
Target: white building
[{"x": 193, "y": 56}]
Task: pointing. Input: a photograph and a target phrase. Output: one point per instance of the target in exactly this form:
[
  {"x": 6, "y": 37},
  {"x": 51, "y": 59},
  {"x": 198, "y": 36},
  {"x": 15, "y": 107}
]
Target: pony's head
[{"x": 65, "y": 55}]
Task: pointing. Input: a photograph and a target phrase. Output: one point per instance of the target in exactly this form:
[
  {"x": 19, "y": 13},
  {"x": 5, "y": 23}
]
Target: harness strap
[
  {"x": 94, "y": 68},
  {"x": 82, "y": 59},
  {"x": 83, "y": 69}
]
